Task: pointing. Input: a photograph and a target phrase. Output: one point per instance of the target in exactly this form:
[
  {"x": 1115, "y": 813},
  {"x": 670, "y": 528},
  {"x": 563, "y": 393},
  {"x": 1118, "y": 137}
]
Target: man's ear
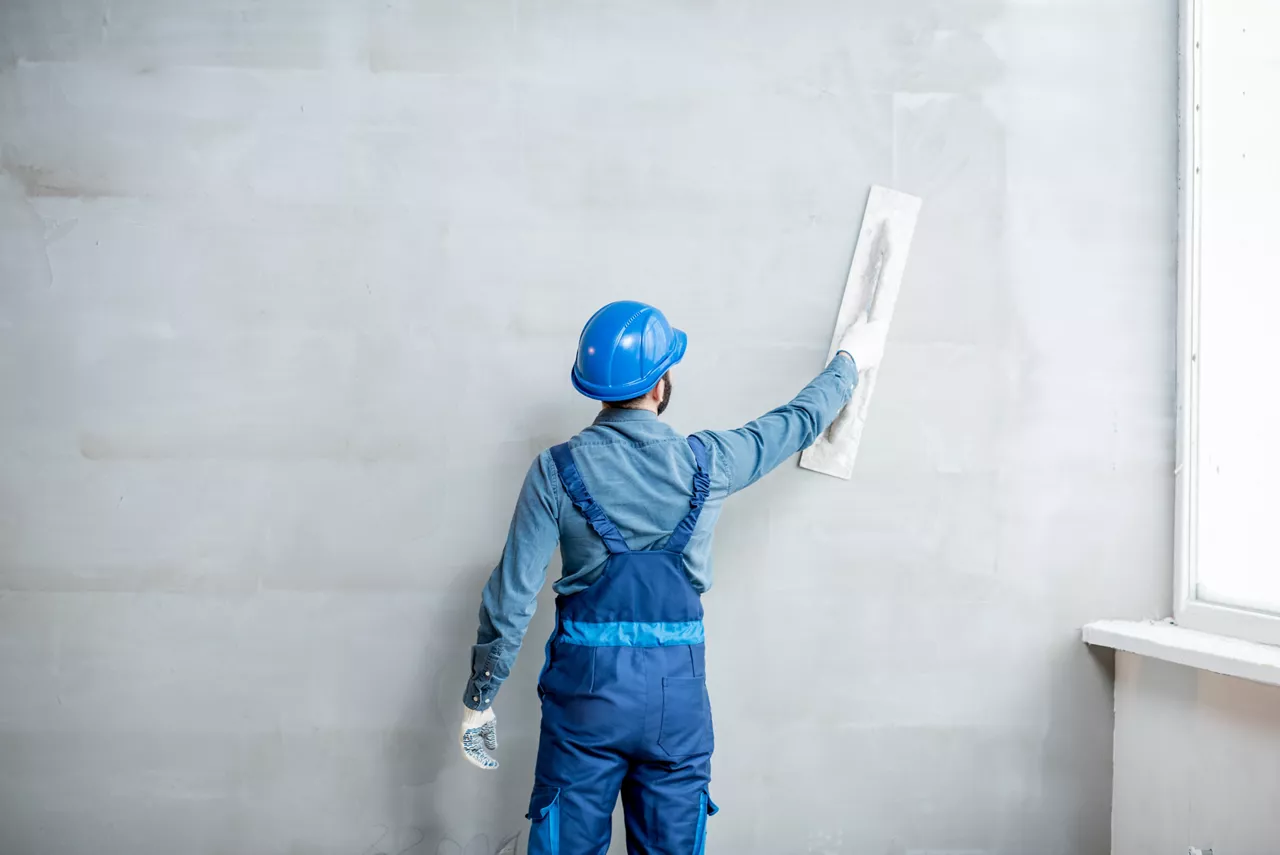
[{"x": 655, "y": 394}]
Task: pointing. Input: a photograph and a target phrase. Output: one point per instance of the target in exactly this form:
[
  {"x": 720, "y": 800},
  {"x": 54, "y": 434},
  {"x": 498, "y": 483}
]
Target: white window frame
[{"x": 1188, "y": 610}]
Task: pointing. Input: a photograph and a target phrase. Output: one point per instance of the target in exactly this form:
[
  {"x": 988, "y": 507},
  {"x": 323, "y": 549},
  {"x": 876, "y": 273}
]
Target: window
[{"x": 1228, "y": 549}]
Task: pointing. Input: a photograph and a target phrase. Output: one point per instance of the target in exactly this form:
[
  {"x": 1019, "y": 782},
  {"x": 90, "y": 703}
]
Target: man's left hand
[{"x": 479, "y": 736}]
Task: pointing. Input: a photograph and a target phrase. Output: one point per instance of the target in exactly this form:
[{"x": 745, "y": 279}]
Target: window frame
[{"x": 1188, "y": 610}]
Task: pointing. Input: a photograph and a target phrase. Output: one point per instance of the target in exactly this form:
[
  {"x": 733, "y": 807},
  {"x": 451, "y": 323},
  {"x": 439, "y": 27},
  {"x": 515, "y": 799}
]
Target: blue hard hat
[{"x": 624, "y": 350}]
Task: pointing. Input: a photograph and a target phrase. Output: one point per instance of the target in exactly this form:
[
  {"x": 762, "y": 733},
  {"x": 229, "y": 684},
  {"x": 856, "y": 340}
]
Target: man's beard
[{"x": 666, "y": 396}]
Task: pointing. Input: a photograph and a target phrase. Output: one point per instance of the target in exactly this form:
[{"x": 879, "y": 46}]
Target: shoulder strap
[
  {"x": 701, "y": 486},
  {"x": 582, "y": 500}
]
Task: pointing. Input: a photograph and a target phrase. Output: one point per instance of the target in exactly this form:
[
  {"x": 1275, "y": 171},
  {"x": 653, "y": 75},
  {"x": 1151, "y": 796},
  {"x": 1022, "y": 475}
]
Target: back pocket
[
  {"x": 544, "y": 811},
  {"x": 686, "y": 717}
]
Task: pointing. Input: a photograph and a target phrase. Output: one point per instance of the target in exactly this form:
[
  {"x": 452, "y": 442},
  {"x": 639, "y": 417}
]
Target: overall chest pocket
[{"x": 686, "y": 717}]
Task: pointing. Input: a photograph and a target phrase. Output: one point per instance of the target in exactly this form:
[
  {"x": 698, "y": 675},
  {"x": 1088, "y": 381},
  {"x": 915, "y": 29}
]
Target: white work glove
[
  {"x": 864, "y": 340},
  {"x": 479, "y": 736}
]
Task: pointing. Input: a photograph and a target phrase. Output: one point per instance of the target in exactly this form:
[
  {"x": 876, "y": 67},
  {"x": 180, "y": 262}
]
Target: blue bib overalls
[{"x": 624, "y": 697}]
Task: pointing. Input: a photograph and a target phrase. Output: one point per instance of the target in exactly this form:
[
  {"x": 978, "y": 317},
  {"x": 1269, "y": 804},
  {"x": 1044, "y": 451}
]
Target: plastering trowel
[{"x": 874, "y": 277}]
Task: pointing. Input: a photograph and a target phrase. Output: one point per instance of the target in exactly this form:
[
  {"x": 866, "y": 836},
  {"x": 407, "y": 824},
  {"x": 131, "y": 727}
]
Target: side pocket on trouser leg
[
  {"x": 706, "y": 808},
  {"x": 544, "y": 811}
]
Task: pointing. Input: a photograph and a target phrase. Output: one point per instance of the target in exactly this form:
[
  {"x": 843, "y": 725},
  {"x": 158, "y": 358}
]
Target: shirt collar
[{"x": 613, "y": 415}]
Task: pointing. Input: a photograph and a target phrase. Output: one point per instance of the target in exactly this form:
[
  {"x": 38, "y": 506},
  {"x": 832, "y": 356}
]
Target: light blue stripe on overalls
[{"x": 631, "y": 633}]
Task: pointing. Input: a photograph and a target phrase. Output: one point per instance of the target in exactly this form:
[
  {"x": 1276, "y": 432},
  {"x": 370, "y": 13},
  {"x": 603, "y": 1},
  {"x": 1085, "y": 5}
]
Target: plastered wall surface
[
  {"x": 1197, "y": 760},
  {"x": 288, "y": 297}
]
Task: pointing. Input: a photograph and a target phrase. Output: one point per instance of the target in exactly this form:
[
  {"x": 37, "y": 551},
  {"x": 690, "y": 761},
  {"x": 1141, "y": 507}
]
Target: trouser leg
[
  {"x": 666, "y": 805},
  {"x": 575, "y": 789}
]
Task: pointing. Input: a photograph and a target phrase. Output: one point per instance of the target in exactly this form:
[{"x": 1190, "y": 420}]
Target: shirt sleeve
[
  {"x": 755, "y": 449},
  {"x": 510, "y": 596}
]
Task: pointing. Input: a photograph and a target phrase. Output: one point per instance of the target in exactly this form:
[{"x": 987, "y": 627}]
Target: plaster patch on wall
[{"x": 24, "y": 256}]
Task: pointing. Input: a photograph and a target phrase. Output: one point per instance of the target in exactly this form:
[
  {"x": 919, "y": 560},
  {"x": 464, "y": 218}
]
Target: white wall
[
  {"x": 1197, "y": 761},
  {"x": 288, "y": 297}
]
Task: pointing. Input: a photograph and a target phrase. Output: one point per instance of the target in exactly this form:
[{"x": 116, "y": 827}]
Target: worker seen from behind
[{"x": 633, "y": 505}]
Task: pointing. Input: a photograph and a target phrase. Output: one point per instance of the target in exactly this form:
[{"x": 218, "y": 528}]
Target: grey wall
[
  {"x": 1197, "y": 761},
  {"x": 289, "y": 298}
]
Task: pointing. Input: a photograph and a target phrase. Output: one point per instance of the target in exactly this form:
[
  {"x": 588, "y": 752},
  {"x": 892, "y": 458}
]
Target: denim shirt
[{"x": 640, "y": 471}]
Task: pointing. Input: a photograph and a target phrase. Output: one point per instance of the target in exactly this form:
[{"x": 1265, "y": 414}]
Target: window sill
[{"x": 1206, "y": 651}]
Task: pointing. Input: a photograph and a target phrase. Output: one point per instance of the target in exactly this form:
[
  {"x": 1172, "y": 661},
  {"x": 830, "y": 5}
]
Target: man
[{"x": 632, "y": 505}]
